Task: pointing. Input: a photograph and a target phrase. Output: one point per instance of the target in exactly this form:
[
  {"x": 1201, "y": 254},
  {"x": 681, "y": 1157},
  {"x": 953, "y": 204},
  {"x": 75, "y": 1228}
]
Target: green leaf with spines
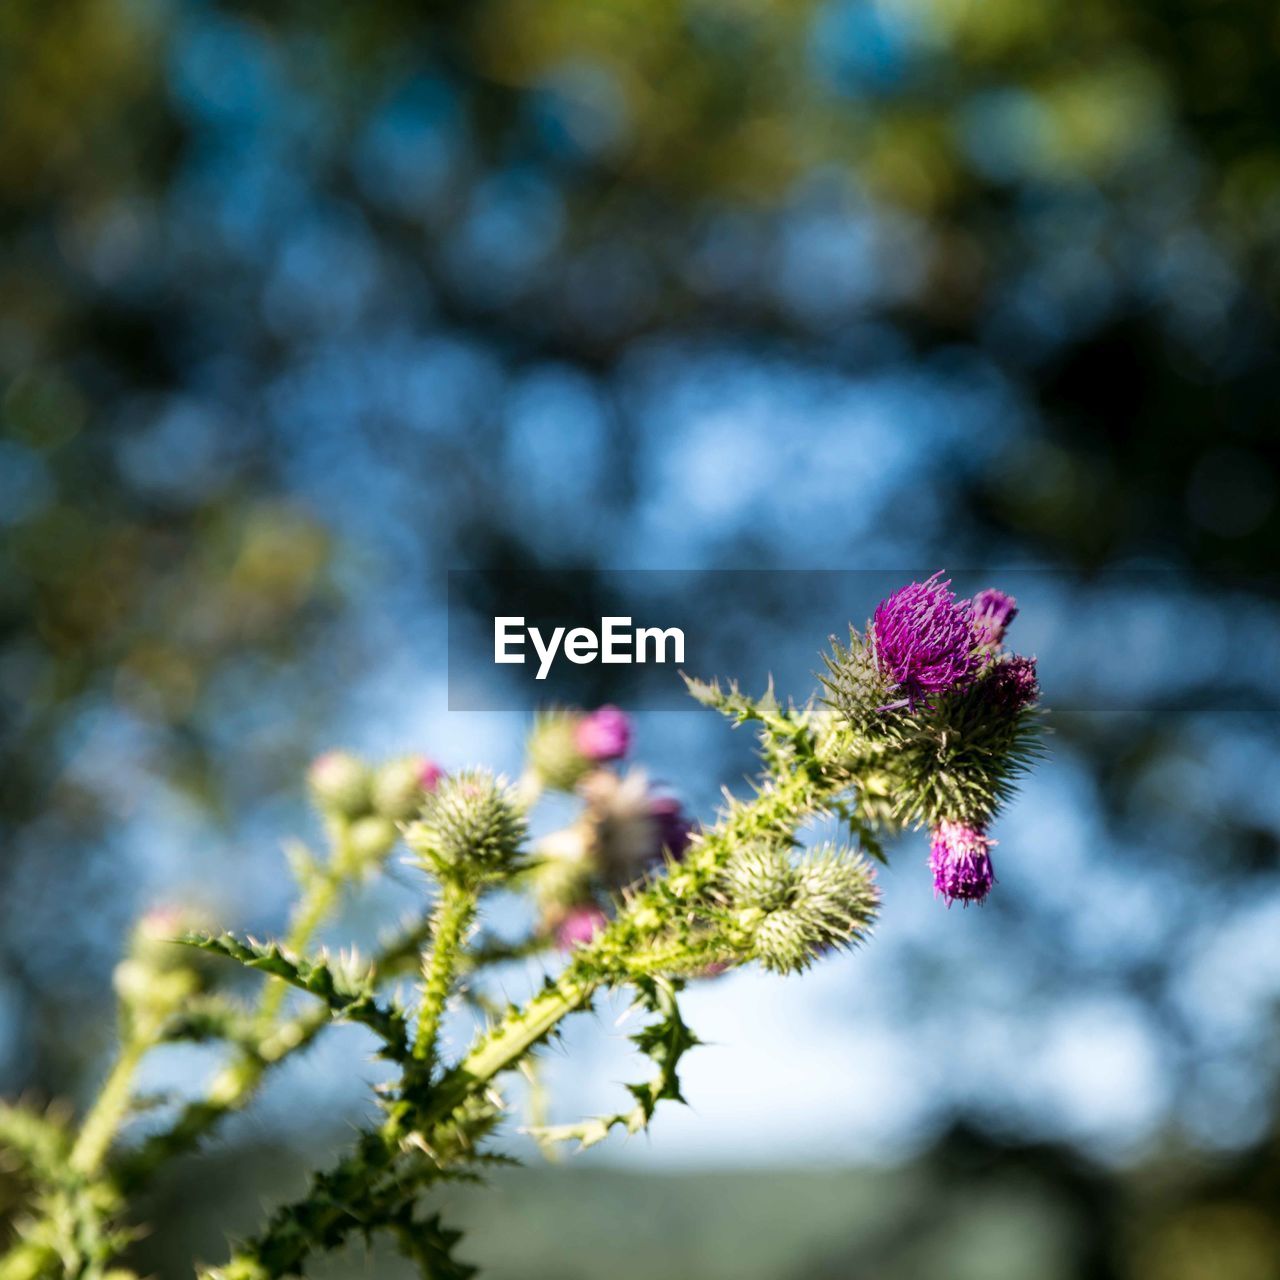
[
  {"x": 347, "y": 997},
  {"x": 664, "y": 1041},
  {"x": 429, "y": 1244}
]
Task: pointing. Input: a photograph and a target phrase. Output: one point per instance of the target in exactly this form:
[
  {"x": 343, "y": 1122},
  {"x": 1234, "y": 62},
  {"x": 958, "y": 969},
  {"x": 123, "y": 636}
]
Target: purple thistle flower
[
  {"x": 924, "y": 639},
  {"x": 1010, "y": 686},
  {"x": 993, "y": 611},
  {"x": 960, "y": 859},
  {"x": 429, "y": 775},
  {"x": 579, "y": 926},
  {"x": 604, "y": 734}
]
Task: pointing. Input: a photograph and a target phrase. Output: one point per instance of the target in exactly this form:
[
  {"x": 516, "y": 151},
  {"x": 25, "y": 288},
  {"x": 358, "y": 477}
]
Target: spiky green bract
[
  {"x": 958, "y": 759},
  {"x": 957, "y": 755},
  {"x": 854, "y": 684},
  {"x": 471, "y": 830},
  {"x": 553, "y": 752},
  {"x": 761, "y": 877},
  {"x": 794, "y": 910}
]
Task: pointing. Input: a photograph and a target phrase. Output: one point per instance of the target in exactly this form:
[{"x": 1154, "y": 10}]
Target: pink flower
[
  {"x": 604, "y": 734},
  {"x": 429, "y": 775},
  {"x": 992, "y": 613},
  {"x": 960, "y": 858},
  {"x": 579, "y": 926},
  {"x": 925, "y": 638}
]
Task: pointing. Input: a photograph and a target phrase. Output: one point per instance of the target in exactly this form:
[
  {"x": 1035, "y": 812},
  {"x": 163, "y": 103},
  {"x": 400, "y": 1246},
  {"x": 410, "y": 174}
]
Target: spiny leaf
[
  {"x": 212, "y": 1018},
  {"x": 665, "y": 1041},
  {"x": 735, "y": 704},
  {"x": 349, "y": 996},
  {"x": 429, "y": 1244}
]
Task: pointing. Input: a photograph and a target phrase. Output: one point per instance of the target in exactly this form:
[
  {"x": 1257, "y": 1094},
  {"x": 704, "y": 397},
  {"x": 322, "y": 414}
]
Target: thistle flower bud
[
  {"x": 960, "y": 858},
  {"x": 579, "y": 925},
  {"x": 836, "y": 889},
  {"x": 782, "y": 944},
  {"x": 401, "y": 786},
  {"x": 340, "y": 785},
  {"x": 604, "y": 734},
  {"x": 471, "y": 829},
  {"x": 993, "y": 611},
  {"x": 553, "y": 751},
  {"x": 761, "y": 877},
  {"x": 798, "y": 912},
  {"x": 1009, "y": 686},
  {"x": 369, "y": 840},
  {"x": 158, "y": 974},
  {"x": 924, "y": 639}
]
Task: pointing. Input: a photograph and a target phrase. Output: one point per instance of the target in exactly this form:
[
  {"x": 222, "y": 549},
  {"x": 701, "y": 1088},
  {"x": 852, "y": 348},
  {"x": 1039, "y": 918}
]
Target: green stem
[
  {"x": 108, "y": 1111},
  {"x": 453, "y": 915},
  {"x": 238, "y": 1081}
]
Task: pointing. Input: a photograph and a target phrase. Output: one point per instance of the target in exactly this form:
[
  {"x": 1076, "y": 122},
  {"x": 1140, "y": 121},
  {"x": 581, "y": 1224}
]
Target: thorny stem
[
  {"x": 453, "y": 916},
  {"x": 108, "y": 1111},
  {"x": 778, "y": 808}
]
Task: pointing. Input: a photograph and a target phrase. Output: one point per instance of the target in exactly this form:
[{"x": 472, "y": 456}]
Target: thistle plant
[{"x": 924, "y": 719}]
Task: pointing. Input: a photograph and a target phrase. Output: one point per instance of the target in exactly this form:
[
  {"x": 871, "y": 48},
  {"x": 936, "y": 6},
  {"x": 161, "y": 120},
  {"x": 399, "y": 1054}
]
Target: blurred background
[{"x": 302, "y": 305}]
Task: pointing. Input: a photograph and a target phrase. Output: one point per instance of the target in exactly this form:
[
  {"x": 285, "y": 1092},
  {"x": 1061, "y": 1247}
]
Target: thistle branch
[
  {"x": 109, "y": 1110},
  {"x": 453, "y": 915}
]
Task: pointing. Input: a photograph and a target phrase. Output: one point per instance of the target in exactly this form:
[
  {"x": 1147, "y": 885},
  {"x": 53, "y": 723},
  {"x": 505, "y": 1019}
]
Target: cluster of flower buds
[
  {"x": 929, "y": 646},
  {"x": 471, "y": 829},
  {"x": 367, "y": 803},
  {"x": 794, "y": 910},
  {"x": 157, "y": 975},
  {"x": 565, "y": 746}
]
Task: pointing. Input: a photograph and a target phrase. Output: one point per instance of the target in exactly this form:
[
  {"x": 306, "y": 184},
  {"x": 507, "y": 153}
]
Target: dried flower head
[{"x": 628, "y": 826}]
